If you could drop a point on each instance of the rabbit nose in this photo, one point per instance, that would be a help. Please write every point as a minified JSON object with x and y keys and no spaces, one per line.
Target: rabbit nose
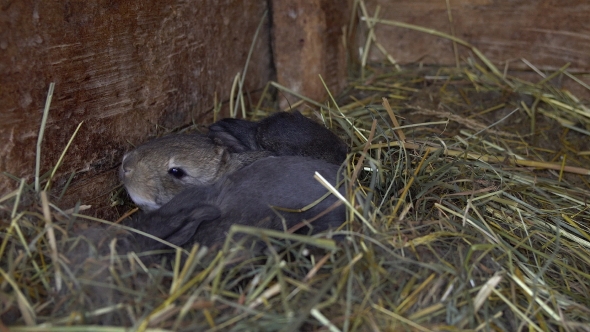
{"x":124,"y":172}
{"x":125,"y":169}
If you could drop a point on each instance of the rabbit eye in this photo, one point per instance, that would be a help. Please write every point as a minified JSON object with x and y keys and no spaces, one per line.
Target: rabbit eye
{"x":176,"y":172}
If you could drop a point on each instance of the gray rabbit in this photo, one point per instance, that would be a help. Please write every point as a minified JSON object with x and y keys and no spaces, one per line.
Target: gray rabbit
{"x":257,"y":195}
{"x":282,"y":134}
{"x":192,"y":188}
{"x":158,"y":170}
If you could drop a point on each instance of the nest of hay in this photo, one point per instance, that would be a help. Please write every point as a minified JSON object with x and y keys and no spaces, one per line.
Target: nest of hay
{"x":475,"y":217}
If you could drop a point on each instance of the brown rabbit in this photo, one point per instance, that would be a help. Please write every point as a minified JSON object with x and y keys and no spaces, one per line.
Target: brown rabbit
{"x":158,"y":170}
{"x":257,"y":195}
{"x":282,"y":134}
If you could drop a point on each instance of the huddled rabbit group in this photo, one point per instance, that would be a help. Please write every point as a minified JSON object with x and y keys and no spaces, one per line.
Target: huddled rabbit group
{"x":192,"y":188}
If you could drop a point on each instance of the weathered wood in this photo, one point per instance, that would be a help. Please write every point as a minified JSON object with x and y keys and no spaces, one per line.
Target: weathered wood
{"x":122,"y":67}
{"x":126,"y":68}
{"x":307,"y":42}
{"x":548,"y":33}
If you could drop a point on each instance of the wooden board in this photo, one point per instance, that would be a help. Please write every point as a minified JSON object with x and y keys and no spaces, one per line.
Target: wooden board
{"x":308,"y":42}
{"x":548,"y":33}
{"x":124,"y":68}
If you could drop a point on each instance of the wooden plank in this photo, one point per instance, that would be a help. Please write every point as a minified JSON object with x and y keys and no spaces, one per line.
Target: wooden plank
{"x":122,"y":67}
{"x":547,"y":33}
{"x":307,"y":42}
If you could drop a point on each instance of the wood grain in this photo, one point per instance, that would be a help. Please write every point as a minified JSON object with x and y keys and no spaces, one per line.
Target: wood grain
{"x":122,"y":67}
{"x":307,"y":42}
{"x":548,"y":33}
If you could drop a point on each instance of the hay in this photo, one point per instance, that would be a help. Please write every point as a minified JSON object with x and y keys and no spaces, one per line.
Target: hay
{"x":474,"y":217}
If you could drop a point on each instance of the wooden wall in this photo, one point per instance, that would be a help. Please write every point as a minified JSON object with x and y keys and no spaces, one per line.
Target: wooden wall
{"x":548,"y":33}
{"x":127,"y":68}
{"x":122,"y":67}
{"x":308,"y":41}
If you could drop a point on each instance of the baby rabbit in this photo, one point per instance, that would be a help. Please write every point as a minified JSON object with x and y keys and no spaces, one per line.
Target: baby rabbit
{"x":283,"y":134}
{"x":252,"y":196}
{"x":158,"y":170}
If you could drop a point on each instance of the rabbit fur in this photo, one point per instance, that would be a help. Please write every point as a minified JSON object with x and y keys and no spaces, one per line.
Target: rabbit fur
{"x":282,"y":134}
{"x":255,"y":196}
{"x":160,"y":169}
{"x":192,"y":188}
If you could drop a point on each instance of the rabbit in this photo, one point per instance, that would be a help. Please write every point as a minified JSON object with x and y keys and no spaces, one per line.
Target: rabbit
{"x":252,"y":196}
{"x":283,"y":134}
{"x":256,"y":195}
{"x":158,"y":170}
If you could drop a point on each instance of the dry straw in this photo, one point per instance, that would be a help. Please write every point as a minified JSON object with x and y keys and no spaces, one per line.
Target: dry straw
{"x":472,"y":216}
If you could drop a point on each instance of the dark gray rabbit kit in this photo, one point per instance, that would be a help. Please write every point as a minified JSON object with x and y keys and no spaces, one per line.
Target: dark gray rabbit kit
{"x":204,"y":214}
{"x":158,"y":170}
{"x":193,"y":190}
{"x":282,"y":134}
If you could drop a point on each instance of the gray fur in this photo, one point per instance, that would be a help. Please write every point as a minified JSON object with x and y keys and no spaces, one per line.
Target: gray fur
{"x":203,"y":214}
{"x":282,"y":134}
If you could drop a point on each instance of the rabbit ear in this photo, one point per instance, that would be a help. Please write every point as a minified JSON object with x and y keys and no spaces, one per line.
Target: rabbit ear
{"x":176,"y":221}
{"x":191,"y":222}
{"x":237,"y":135}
